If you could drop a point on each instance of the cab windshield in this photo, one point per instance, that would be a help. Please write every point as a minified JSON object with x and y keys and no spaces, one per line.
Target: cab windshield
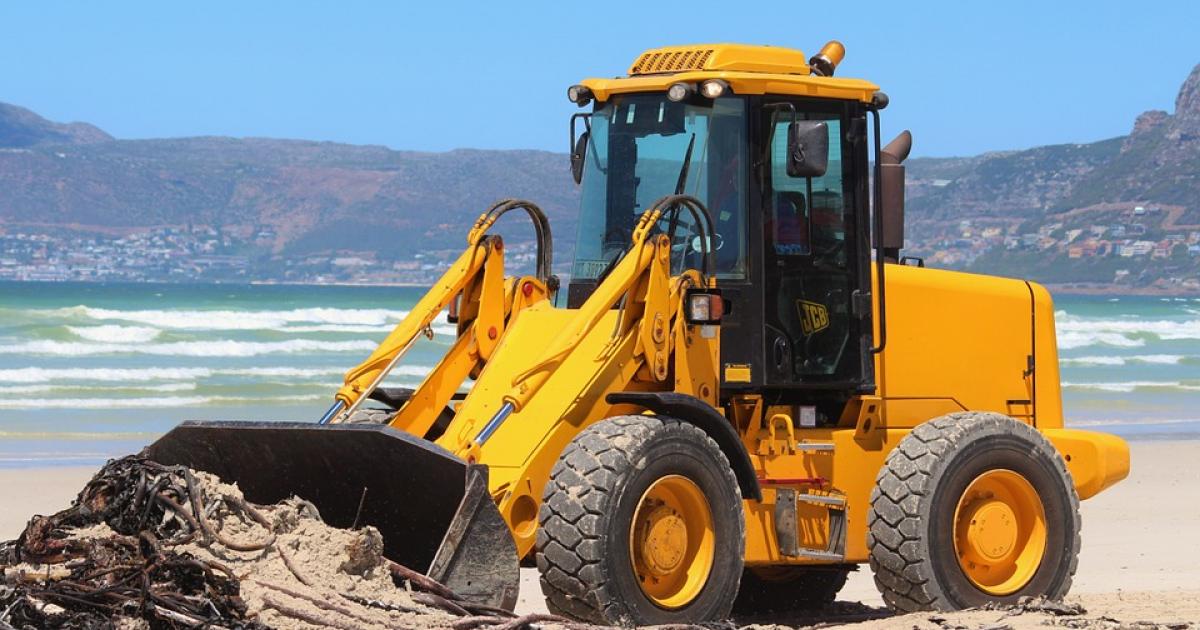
{"x":636,"y":156}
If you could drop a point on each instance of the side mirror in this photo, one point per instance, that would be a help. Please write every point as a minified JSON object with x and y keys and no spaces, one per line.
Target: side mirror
{"x":577,"y":156}
{"x":808,"y":148}
{"x":891,"y":193}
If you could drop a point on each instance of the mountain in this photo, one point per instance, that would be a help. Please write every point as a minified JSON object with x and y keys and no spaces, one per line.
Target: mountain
{"x":1135,"y":201}
{"x":20,"y":127}
{"x":313,"y":196}
{"x":1124,"y":210}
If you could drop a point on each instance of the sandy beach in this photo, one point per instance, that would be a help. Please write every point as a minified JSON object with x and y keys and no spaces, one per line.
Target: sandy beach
{"x":1140,"y":559}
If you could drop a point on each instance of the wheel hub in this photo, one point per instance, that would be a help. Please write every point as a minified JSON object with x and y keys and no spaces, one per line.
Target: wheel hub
{"x":665,"y":542}
{"x":992,"y":532}
{"x":671,"y":542}
{"x":1000,"y":532}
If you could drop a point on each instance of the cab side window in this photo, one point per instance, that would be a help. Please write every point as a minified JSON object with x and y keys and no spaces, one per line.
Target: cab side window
{"x":807,"y":265}
{"x":806,"y":215}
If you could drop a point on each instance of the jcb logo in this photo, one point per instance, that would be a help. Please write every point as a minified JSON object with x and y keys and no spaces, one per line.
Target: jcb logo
{"x":813,"y":317}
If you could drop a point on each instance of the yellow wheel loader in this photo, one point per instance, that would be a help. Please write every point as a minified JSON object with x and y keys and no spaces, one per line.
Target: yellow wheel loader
{"x":743,"y":392}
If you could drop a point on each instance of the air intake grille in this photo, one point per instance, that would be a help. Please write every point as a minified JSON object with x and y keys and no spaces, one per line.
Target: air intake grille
{"x":671,"y":61}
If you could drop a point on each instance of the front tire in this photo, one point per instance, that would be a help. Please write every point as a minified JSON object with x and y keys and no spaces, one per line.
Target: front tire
{"x":641,"y":523}
{"x":972,"y":508}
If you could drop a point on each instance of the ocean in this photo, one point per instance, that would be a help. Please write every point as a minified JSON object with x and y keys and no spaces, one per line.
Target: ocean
{"x":93,"y":371}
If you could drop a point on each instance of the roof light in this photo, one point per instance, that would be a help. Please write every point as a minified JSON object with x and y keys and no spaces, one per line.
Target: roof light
{"x":827,"y":59}
{"x":579,"y":94}
{"x":714,"y":88}
{"x":680,"y":91}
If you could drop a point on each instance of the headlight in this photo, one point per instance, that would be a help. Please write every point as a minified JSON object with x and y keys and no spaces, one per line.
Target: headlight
{"x":704,"y":307}
{"x":579,"y":94}
{"x":680,"y":91}
{"x":714,"y":88}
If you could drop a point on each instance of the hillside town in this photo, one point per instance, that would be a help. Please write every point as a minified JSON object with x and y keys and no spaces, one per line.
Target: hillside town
{"x":1125,"y":246}
{"x":207,"y":254}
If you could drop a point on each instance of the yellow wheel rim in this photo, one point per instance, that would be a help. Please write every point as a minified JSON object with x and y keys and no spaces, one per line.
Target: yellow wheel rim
{"x":1000,"y":532}
{"x":671,"y":541}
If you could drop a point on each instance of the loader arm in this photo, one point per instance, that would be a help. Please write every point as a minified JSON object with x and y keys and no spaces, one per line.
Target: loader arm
{"x":485,"y":303}
{"x":525,"y":407}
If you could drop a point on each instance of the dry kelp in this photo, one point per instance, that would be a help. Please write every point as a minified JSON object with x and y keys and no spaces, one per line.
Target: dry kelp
{"x":152,"y":546}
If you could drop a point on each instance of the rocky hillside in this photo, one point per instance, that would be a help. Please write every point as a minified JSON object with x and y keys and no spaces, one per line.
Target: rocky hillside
{"x":1158,"y":162}
{"x":312,"y":196}
{"x":20,"y":127}
{"x":1124,"y":210}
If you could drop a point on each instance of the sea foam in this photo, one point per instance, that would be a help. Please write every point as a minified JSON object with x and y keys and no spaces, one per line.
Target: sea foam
{"x":1125,"y":387}
{"x":217,"y":348}
{"x":1153,"y":359}
{"x":144,"y":403}
{"x":234,"y":319}
{"x":110,"y":333}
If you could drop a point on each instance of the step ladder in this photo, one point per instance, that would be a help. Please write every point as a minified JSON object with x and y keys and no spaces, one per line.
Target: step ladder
{"x":787,"y":532}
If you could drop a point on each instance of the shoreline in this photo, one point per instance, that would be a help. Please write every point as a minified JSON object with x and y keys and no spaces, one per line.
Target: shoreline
{"x":93,"y":460}
{"x":1081,"y":289}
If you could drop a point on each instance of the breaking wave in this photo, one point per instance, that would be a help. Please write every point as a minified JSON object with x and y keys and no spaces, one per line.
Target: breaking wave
{"x":41,"y":389}
{"x":143,"y":403}
{"x":1075,"y":332}
{"x":220,"y":348}
{"x":1125,"y":387}
{"x":1071,"y":340}
{"x":115,"y":334}
{"x":1153,"y":359}
{"x":153,"y":374}
{"x":234,"y":319}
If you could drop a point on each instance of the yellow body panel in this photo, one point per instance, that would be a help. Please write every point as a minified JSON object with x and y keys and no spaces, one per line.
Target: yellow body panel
{"x":721,"y":57}
{"x":1096,"y":460}
{"x":742,"y":83}
{"x":747,"y":70}
{"x":959,"y":342}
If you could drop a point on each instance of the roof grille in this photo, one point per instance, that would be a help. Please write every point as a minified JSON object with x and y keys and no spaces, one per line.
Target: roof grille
{"x":671,"y":61}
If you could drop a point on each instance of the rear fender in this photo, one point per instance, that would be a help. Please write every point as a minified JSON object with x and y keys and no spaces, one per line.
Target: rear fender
{"x":708,"y":419}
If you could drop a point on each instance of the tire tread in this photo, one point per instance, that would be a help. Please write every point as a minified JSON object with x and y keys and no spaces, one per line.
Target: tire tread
{"x":577,"y":502}
{"x":898,"y":557}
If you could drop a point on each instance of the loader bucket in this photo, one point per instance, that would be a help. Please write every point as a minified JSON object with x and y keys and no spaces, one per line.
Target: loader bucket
{"x":432,"y":508}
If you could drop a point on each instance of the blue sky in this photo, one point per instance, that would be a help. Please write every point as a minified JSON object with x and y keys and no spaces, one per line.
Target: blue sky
{"x":965,"y":76}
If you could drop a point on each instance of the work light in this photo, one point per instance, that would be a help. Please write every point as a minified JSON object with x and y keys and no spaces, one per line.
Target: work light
{"x":680,"y":91}
{"x":714,"y":88}
{"x":705,"y":307}
{"x":579,"y":94}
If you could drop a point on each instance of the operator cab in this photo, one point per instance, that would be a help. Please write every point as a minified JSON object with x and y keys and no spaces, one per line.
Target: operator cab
{"x":791,"y":247}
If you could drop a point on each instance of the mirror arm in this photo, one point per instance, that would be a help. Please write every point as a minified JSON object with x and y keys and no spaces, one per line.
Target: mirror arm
{"x":587,"y":124}
{"x":775,"y":107}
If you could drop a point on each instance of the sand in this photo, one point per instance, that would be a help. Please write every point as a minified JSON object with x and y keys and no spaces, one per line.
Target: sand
{"x":1140,"y":559}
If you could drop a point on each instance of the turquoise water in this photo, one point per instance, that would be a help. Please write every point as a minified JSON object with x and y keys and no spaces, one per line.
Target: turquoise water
{"x":90,"y":371}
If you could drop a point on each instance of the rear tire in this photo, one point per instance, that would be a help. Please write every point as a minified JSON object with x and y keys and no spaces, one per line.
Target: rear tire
{"x":784,"y":589}
{"x":928,"y":551}
{"x":601,"y":514}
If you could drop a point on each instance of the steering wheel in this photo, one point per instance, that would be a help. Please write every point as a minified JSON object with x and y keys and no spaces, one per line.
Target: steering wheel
{"x":823,"y":254}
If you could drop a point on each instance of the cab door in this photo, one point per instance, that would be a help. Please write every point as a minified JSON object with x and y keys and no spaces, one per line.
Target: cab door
{"x":811,"y":257}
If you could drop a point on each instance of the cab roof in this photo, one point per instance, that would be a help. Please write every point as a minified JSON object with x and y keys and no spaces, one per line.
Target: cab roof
{"x":748,"y":70}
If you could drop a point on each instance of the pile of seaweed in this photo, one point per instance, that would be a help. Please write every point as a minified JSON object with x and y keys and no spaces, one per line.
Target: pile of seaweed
{"x":155,"y":547}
